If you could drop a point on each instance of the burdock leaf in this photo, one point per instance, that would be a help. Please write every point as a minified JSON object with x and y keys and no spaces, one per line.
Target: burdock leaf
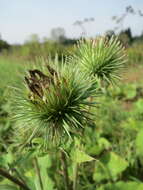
{"x":79,"y":156}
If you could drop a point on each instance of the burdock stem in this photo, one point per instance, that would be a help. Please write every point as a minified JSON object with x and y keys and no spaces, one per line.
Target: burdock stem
{"x":38,"y":172}
{"x":65,"y":170}
{"x":75,"y":176}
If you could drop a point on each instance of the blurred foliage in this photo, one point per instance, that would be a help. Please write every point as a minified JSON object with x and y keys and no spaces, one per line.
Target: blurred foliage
{"x":4,"y":45}
{"x":135,"y":54}
{"x":61,"y":45}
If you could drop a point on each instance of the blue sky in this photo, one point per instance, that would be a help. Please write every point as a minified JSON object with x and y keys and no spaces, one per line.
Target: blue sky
{"x":20,"y":18}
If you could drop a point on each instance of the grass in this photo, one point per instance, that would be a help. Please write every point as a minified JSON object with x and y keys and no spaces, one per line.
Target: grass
{"x":135,"y":54}
{"x":9,"y":72}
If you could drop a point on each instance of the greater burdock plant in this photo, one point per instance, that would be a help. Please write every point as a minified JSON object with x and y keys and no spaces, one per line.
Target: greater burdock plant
{"x":54,"y":100}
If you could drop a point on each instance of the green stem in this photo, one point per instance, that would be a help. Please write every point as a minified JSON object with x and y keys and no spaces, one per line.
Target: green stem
{"x":5,"y":174}
{"x":65,"y":170}
{"x":75,"y":174}
{"x":38,"y":173}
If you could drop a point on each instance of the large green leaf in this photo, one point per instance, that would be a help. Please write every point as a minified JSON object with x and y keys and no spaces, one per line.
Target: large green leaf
{"x":79,"y":156}
{"x":6,"y":159}
{"x":44,"y":163}
{"x":139,"y":142}
{"x":122,"y":186}
{"x":130,"y":91}
{"x":109,"y":166}
{"x":8,"y":187}
{"x":30,"y":176}
{"x":139,"y":105}
{"x":101,"y":145}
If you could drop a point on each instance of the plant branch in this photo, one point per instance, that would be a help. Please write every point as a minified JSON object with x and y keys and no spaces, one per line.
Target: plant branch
{"x":13,"y":179}
{"x":65,"y":170}
{"x":19,"y":175}
{"x":38,"y":172}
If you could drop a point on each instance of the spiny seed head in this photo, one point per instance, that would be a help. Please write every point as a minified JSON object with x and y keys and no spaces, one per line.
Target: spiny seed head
{"x":101,"y":58}
{"x":55,"y":103}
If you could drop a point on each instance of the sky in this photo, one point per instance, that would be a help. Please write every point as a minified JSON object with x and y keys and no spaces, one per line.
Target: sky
{"x":21,"y":18}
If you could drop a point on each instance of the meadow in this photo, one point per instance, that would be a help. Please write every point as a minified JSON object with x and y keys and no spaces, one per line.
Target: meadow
{"x":109,"y":156}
